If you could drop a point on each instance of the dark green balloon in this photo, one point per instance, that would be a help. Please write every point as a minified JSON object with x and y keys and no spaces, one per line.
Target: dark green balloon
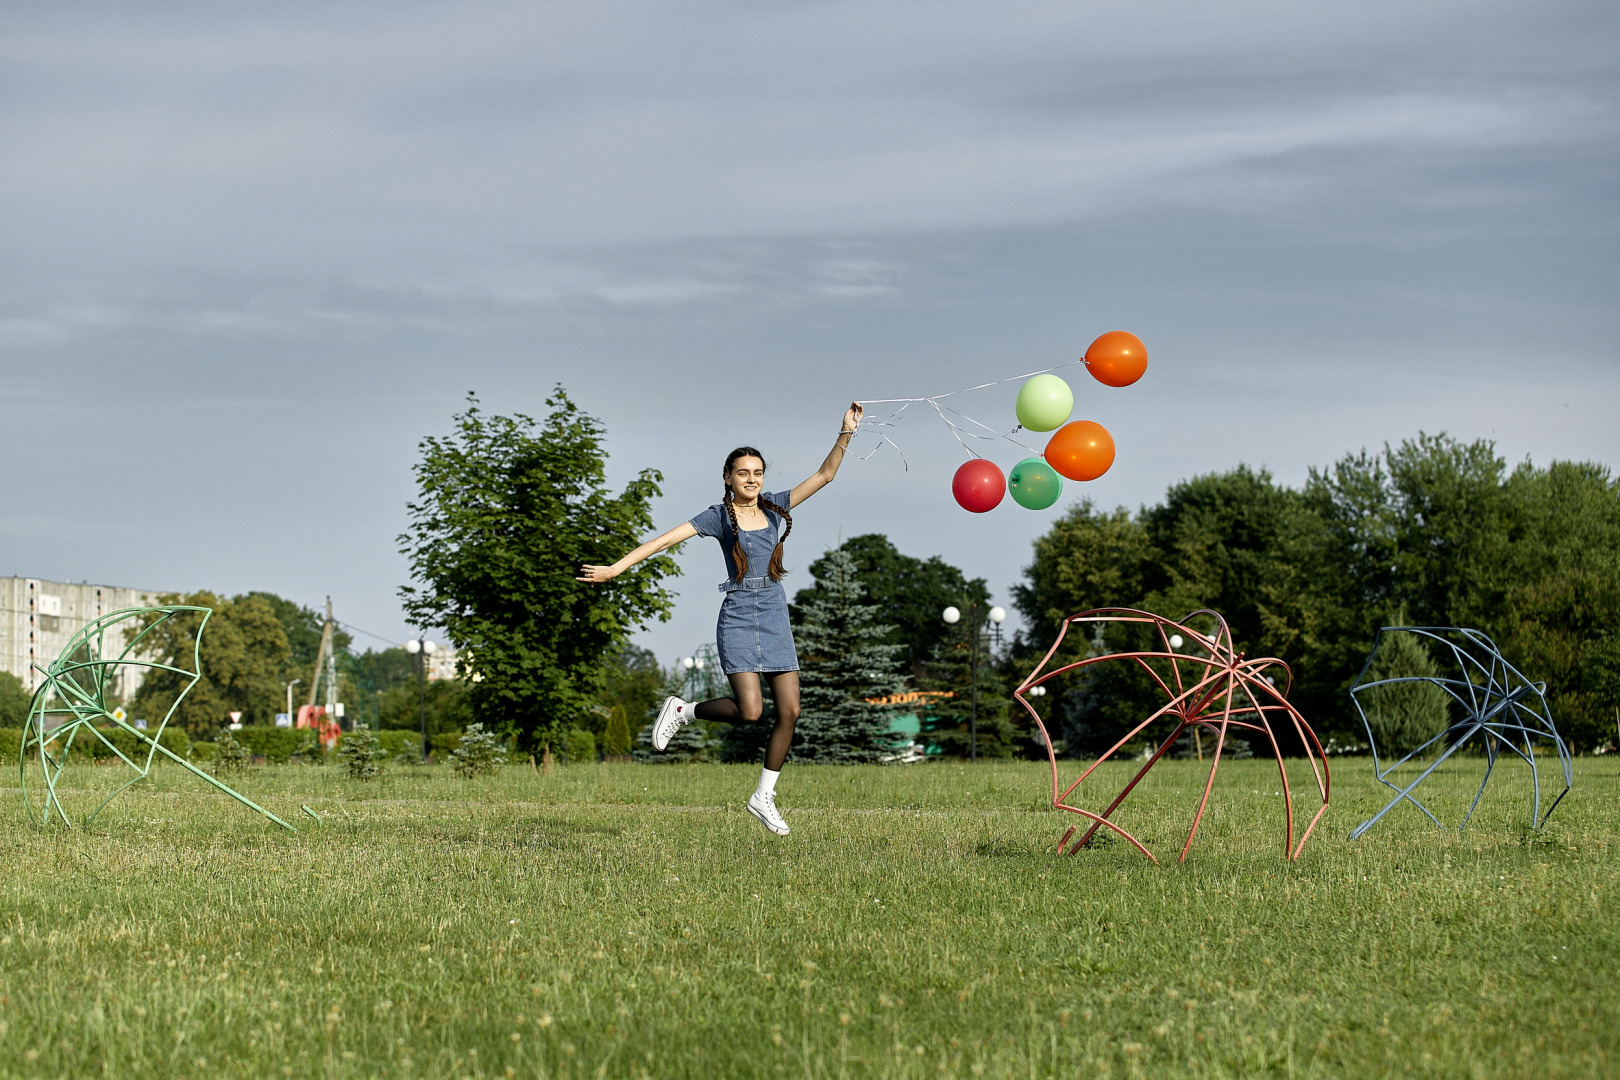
{"x":1034,"y":484}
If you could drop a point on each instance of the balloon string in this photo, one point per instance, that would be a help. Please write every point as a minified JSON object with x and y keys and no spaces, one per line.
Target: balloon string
{"x":957,"y":431}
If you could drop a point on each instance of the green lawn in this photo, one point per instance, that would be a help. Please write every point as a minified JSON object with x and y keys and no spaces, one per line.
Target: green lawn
{"x":623,"y":920}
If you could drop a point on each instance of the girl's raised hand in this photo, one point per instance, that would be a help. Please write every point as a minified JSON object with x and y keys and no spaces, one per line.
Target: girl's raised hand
{"x":852,"y":416}
{"x":595,"y":575}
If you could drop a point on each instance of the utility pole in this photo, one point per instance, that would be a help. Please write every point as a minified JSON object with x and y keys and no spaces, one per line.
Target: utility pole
{"x":321,"y":654}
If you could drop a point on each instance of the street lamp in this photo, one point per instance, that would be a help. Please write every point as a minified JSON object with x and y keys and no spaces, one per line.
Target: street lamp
{"x":694,"y":672}
{"x":421,"y":648}
{"x":952,"y":615}
{"x":290,"y":718}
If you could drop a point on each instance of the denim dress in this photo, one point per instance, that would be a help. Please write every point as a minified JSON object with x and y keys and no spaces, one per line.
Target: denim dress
{"x":753,"y":634}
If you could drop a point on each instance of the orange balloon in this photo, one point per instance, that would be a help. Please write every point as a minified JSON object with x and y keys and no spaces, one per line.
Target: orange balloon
{"x":1117,"y":358}
{"x":1082,"y":450}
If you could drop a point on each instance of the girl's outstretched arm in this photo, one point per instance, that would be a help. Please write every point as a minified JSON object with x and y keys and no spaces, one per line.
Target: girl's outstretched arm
{"x":598,"y":574}
{"x":829,"y":468}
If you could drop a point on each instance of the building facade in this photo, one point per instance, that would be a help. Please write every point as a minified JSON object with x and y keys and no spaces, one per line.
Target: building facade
{"x":441,"y":663}
{"x":38,"y":618}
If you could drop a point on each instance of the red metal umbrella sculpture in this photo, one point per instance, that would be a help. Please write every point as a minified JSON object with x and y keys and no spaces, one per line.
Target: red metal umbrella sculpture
{"x":1208,"y":687}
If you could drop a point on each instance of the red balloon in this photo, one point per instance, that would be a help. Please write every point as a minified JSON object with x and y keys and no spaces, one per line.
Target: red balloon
{"x":978,"y":486}
{"x":1082,"y":450}
{"x":1116,"y":359}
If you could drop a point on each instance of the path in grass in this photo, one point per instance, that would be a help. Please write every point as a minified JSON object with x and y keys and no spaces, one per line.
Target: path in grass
{"x":632,"y":920}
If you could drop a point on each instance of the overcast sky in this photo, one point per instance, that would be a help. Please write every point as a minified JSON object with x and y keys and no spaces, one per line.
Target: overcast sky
{"x":254,"y":252}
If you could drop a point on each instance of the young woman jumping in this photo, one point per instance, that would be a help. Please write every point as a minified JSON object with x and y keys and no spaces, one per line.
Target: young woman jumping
{"x":754,"y":638}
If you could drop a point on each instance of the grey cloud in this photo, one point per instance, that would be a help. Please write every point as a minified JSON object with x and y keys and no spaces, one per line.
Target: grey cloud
{"x":263,"y":249}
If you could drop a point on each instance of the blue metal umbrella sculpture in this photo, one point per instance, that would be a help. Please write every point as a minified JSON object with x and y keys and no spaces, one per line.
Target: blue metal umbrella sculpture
{"x":1505,"y":710}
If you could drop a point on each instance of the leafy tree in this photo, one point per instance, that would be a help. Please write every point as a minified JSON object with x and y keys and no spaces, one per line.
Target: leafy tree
{"x":244,"y":651}
{"x":1087,"y":559}
{"x":1561,"y":621}
{"x":374,"y":673}
{"x":1434,"y":526}
{"x":14,"y":701}
{"x":909,"y":592}
{"x":616,"y":740}
{"x":845,"y":662}
{"x":507,"y":512}
{"x":303,"y":626}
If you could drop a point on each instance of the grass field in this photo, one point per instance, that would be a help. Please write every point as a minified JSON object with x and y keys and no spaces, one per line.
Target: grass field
{"x":624,"y":920}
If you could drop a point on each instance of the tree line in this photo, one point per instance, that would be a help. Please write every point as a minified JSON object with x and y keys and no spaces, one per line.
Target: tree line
{"x":256,"y":644}
{"x":1433,"y":532}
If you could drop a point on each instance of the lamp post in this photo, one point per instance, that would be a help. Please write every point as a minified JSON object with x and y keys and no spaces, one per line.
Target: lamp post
{"x":694,"y":671}
{"x":421,"y":648}
{"x":295,"y":682}
{"x":952,"y":615}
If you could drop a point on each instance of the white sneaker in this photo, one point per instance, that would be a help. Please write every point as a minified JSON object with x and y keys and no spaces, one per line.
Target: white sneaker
{"x":675,"y":715}
{"x":762,"y":804}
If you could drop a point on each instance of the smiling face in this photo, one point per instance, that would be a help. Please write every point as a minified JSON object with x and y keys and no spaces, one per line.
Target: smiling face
{"x":746,"y":478}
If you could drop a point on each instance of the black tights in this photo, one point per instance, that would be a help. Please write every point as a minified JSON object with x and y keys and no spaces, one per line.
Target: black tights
{"x":749,"y":707}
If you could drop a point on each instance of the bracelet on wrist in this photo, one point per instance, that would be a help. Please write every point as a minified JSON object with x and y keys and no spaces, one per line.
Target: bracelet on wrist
{"x":850,"y":431}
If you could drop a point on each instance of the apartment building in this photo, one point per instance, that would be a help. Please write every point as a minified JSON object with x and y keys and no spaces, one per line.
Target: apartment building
{"x":38,"y":618}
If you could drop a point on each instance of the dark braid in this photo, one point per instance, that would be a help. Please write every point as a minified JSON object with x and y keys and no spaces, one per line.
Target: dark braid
{"x":776,"y":570}
{"x":738,"y":555}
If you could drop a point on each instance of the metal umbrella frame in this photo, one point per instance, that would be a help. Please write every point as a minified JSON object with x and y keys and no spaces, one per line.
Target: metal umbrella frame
{"x":72,"y":702}
{"x":1211,"y":687}
{"x":1500,"y":705}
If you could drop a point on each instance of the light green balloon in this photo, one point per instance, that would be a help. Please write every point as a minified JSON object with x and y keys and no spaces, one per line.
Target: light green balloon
{"x":1034,"y":484}
{"x":1044,"y":403}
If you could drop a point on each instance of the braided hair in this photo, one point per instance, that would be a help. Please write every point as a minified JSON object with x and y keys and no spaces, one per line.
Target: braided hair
{"x":738,"y":556}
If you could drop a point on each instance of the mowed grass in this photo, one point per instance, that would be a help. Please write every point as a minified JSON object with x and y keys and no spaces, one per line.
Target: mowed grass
{"x":624,"y":920}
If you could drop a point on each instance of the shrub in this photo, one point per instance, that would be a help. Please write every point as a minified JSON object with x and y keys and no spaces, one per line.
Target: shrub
{"x":580,"y":746}
{"x":307,"y":752}
{"x":402,"y":746}
{"x":10,"y":744}
{"x":277,"y":744}
{"x":230,"y":756}
{"x":361,"y":754}
{"x":204,"y":751}
{"x":87,"y":746}
{"x":14,"y":702}
{"x":478,"y":752}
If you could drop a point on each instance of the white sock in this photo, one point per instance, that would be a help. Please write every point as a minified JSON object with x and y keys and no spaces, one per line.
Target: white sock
{"x":767,"y":782}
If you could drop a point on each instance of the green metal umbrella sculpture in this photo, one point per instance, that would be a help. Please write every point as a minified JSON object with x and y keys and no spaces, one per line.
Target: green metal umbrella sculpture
{"x":72,"y":704}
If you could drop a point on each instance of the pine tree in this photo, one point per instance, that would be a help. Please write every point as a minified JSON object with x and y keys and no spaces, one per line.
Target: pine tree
{"x":844,"y":663}
{"x":478,"y":752}
{"x":361,"y":754}
{"x":1404,"y":715}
